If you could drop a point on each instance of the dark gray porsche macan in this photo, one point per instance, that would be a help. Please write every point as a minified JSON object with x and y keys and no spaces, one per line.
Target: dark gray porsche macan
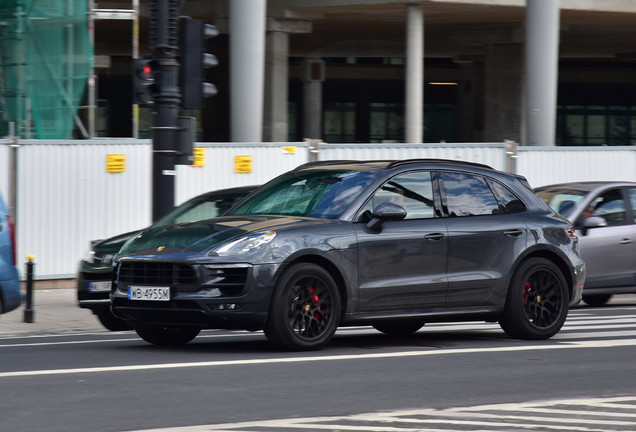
{"x":392,"y":244}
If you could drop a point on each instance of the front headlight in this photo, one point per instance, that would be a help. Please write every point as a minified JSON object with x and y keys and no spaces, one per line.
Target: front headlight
{"x":246,"y":244}
{"x":98,"y":258}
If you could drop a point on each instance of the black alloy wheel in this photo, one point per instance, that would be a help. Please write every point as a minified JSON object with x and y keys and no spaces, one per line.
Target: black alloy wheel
{"x":305,"y":308}
{"x":164,"y":335}
{"x":537,"y":301}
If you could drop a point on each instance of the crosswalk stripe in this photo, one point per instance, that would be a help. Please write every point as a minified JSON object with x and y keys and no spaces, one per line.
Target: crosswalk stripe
{"x":495,"y":417}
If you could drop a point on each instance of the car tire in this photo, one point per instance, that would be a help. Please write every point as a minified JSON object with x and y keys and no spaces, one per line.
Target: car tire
{"x":165,"y":335}
{"x":597,"y":300}
{"x":112,"y":323}
{"x":305,"y":309}
{"x":537,"y":302}
{"x":399,"y":327}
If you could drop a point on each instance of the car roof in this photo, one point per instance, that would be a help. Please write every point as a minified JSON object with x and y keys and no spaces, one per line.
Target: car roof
{"x":586,"y":185}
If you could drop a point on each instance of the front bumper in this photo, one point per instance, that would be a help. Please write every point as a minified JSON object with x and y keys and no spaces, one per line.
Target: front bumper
{"x":93,"y":287}
{"x":204,"y":305}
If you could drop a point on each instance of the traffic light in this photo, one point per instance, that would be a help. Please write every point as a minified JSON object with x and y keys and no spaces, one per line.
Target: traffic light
{"x":144,"y":76}
{"x":194,"y":62}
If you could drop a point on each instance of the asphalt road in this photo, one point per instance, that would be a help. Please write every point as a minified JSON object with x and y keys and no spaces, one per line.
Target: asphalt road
{"x":446,"y":377}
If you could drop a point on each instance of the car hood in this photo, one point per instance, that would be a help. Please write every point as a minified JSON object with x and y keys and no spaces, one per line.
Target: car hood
{"x":113,"y":244}
{"x":201,"y":236}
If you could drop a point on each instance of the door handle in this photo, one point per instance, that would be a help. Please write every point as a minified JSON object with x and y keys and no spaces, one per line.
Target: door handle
{"x":626,"y":241}
{"x":513,"y":233}
{"x":434,"y":236}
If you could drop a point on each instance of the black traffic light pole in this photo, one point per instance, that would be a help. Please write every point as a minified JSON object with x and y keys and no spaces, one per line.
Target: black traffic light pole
{"x":164,"y":16}
{"x":159,"y":82}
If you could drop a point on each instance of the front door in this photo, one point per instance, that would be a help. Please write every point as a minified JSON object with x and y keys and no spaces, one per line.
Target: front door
{"x":402,"y":265}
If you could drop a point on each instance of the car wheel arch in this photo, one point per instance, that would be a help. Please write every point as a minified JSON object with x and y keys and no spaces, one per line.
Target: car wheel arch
{"x":552,"y":256}
{"x":328,"y":265}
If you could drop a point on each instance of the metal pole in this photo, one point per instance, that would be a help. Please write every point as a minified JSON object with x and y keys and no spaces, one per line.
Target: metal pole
{"x":92,"y":76}
{"x":29,"y":313}
{"x":135,"y":55}
{"x":13,"y":176}
{"x":163,"y":41}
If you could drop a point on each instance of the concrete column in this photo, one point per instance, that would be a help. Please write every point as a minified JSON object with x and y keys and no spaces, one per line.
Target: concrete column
{"x":313,"y":77}
{"x":503,"y":92}
{"x":542,"y":57}
{"x":275,"y":122}
{"x":414,"y":107}
{"x":247,"y":69}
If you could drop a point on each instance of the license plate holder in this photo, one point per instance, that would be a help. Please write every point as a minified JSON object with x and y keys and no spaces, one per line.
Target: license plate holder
{"x":148,"y":293}
{"x":99,"y":286}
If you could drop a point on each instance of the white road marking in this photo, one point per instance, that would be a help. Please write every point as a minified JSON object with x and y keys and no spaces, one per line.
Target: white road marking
{"x":280,"y":360}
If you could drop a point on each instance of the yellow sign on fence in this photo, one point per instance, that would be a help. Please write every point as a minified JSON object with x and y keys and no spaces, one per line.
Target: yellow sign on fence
{"x":243,"y":164}
{"x":115,"y":163}
{"x":198,"y":157}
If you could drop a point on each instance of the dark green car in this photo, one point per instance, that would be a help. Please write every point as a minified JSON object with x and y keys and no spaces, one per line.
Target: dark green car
{"x":95,"y":274}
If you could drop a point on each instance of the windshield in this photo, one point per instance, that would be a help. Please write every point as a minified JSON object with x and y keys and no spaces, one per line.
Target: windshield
{"x":202,"y":207}
{"x":311,"y":193}
{"x":562,"y":201}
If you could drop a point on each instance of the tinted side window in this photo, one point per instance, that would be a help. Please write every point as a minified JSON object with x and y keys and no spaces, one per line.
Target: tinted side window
{"x":468,"y":195}
{"x":508,"y":201}
{"x":413,"y":191}
{"x":610,"y":206}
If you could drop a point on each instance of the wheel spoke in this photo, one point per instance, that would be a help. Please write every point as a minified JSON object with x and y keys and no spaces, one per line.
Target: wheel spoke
{"x":542,"y":298}
{"x":309,"y":307}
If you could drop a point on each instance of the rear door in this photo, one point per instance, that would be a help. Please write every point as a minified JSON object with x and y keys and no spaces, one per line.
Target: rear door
{"x":486,"y":232}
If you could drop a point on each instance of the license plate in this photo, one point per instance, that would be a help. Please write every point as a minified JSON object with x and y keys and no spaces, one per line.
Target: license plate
{"x":148,"y":293}
{"x":99,"y":286}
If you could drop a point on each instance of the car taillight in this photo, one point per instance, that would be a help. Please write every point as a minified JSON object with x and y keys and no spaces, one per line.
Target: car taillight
{"x":570,"y":232}
{"x":12,"y":235}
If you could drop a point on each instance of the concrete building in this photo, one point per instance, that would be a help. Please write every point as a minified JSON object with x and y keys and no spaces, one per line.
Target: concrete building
{"x":534,"y":71}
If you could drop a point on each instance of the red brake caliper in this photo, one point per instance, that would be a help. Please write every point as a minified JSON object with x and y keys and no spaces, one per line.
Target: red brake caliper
{"x":315,"y":299}
{"x":526,"y":287}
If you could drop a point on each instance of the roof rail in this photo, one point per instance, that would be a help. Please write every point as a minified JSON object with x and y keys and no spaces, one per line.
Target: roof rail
{"x":391,"y":163}
{"x":323,"y":163}
{"x":449,"y":161}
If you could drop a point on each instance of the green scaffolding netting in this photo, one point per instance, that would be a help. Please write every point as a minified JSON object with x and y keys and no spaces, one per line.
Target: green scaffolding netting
{"x":45,"y":59}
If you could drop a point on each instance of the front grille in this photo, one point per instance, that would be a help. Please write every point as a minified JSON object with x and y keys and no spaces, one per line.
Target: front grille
{"x":156,"y":274}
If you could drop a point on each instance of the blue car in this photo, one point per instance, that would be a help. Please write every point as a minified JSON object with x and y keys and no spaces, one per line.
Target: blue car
{"x":10,"y":295}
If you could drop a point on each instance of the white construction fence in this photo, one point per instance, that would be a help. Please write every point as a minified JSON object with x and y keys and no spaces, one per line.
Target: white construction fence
{"x":63,"y":194}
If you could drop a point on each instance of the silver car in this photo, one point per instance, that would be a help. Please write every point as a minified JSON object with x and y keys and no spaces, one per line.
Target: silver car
{"x":604,"y":216}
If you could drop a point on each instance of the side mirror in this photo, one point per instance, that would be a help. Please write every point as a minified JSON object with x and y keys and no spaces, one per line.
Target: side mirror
{"x":592,"y":222}
{"x":386,"y":212}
